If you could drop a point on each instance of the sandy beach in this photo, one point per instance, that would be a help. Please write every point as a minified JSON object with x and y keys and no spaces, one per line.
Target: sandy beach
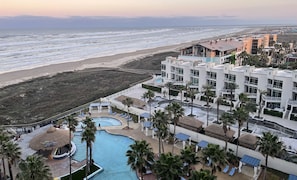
{"x":113,"y":61}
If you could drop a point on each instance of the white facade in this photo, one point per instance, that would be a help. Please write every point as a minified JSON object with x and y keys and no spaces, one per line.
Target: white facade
{"x":280,"y":85}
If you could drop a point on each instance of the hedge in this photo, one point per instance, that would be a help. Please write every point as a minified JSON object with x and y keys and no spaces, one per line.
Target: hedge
{"x":153,"y":88}
{"x":203,"y":98}
{"x":273,"y":113}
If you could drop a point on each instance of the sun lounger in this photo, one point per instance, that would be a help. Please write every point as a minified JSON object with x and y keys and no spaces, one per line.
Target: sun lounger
{"x":226,"y":169}
{"x":232,"y":171}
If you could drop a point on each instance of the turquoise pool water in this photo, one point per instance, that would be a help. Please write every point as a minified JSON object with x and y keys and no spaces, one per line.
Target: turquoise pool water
{"x":109,"y":151}
{"x":104,"y":121}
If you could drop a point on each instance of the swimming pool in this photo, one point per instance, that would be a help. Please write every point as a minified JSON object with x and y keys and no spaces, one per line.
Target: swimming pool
{"x":109,"y":151}
{"x":104,"y":121}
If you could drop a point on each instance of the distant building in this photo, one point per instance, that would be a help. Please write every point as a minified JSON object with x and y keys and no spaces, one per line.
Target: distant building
{"x":217,"y":51}
{"x":280,"y":85}
{"x":253,"y":43}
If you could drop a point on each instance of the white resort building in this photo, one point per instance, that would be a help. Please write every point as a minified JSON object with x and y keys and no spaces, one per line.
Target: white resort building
{"x":280,"y":86}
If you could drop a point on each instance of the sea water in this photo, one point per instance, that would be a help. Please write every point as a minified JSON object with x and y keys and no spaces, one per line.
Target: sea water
{"x":26,"y":49}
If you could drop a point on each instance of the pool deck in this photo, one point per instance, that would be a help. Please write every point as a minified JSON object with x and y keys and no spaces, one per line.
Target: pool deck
{"x":61,"y":167}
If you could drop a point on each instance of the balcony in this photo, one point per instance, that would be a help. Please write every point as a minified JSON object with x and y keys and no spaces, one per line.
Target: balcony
{"x":292,"y":102}
{"x":272,"y":99}
{"x":251,"y":95}
{"x":295,"y":89}
{"x":269,"y":86}
{"x":211,"y":77}
{"x":229,"y":80}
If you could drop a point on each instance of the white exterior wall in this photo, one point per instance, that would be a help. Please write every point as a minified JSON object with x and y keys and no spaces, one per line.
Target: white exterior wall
{"x":274,"y":163}
{"x":263,"y":74}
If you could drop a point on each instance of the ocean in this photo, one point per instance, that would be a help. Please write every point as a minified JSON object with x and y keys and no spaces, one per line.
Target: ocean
{"x":26,"y":49}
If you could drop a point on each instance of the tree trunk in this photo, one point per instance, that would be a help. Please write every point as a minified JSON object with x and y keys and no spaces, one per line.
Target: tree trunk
{"x":247,"y":125}
{"x":128,"y":119}
{"x":10,"y":172}
{"x":231,"y":100}
{"x":218,"y":112}
{"x":239,"y":126}
{"x":159,"y":145}
{"x":91,"y":157}
{"x":87,"y":162}
{"x":191,"y":106}
{"x":266,"y":163}
{"x":69,"y":153}
{"x":4,"y":170}
{"x":207,"y":111}
{"x":260,"y":106}
{"x":173,"y":137}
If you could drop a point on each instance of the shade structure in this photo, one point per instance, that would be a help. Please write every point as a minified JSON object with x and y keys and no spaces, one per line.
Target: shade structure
{"x":182,"y":137}
{"x":51,"y":139}
{"x":145,"y":115}
{"x":202,"y":144}
{"x":250,"y":160}
{"x":292,"y":177}
{"x":147,"y":124}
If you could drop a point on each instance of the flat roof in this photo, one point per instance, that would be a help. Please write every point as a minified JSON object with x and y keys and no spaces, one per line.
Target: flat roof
{"x":222,"y":45}
{"x":252,"y":161}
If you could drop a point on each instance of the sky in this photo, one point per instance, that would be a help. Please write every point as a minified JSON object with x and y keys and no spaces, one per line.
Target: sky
{"x":152,"y":8}
{"x":233,"y":11}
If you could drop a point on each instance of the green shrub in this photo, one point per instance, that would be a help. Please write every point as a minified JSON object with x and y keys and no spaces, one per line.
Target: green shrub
{"x":293,"y":117}
{"x":273,"y":113}
{"x":153,"y":88}
{"x":203,"y":98}
{"x":173,"y":92}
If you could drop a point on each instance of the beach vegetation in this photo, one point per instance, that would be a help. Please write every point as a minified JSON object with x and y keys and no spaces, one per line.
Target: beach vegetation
{"x":140,"y":157}
{"x":215,"y":157}
{"x":269,"y":145}
{"x":88,"y":135}
{"x":175,"y":112}
{"x":160,"y":122}
{"x":208,"y":93}
{"x":34,"y":168}
{"x":72,"y":123}
{"x":202,"y":175}
{"x":169,"y":166}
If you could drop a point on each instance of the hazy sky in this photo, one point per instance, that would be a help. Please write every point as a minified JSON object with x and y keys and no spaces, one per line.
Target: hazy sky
{"x":251,"y":9}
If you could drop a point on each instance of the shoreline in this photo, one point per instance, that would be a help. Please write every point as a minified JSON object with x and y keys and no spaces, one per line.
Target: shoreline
{"x":112,"y":61}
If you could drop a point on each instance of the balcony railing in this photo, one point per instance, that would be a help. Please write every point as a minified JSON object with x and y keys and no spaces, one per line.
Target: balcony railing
{"x":292,"y":102}
{"x":253,"y":95}
{"x":271,"y":98}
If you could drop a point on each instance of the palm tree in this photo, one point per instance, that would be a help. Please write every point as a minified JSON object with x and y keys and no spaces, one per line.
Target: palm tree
{"x":149,"y":95}
{"x":247,"y":105}
{"x":139,"y":156}
{"x":169,"y":166}
{"x":4,"y":138}
{"x":269,"y":145}
{"x":72,"y":123}
{"x":189,"y":158}
{"x":241,"y":115}
{"x":128,"y":102}
{"x":181,"y":88}
{"x":33,"y":168}
{"x":208,"y":93}
{"x":219,"y":102}
{"x":88,"y":135}
{"x":260,"y":105}
{"x":202,"y":175}
{"x":160,"y":122}
{"x":216,"y":155}
{"x":12,"y":153}
{"x":231,"y":87}
{"x":227,"y":119}
{"x":169,"y":86}
{"x":191,"y":94}
{"x":177,"y":111}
